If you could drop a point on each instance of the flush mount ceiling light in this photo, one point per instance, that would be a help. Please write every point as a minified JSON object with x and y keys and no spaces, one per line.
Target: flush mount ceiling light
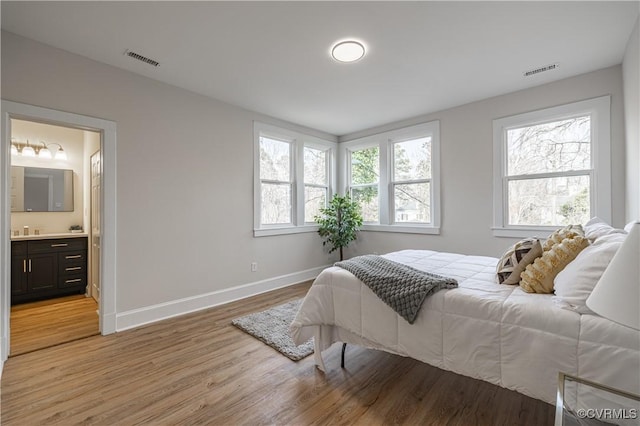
{"x":348,"y":51}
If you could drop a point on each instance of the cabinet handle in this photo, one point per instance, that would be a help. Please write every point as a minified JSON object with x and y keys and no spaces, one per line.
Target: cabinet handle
{"x":24,"y":265}
{"x":75,"y":268}
{"x":75,"y":256}
{"x":73,"y":281}
{"x":59,"y":245}
{"x":29,"y":265}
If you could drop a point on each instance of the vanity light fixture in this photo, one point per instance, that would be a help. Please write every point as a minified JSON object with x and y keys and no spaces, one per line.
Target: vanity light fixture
{"x":44,"y":152}
{"x":28,"y":150}
{"x":60,"y":153}
{"x":348,"y":51}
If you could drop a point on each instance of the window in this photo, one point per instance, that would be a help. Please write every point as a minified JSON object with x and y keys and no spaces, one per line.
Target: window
{"x":394,"y":178}
{"x":411,"y":180}
{"x":553,"y":168}
{"x":292,"y":180}
{"x":275,"y":181}
{"x":365,"y":175}
{"x":316,"y":181}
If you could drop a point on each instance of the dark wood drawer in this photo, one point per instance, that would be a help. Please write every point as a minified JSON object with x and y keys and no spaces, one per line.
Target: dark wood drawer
{"x":72,"y":268}
{"x":72,"y":258}
{"x":73,"y":280}
{"x":63,"y":244}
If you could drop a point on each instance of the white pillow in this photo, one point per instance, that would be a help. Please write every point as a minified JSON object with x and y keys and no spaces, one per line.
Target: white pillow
{"x":629,"y":225}
{"x":597,"y":228}
{"x":576,"y":281}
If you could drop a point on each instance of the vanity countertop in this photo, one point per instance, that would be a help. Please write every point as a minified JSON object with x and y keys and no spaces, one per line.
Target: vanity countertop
{"x":48,"y":236}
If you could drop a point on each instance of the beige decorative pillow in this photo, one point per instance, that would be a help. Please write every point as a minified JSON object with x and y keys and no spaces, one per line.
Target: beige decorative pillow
{"x":557,"y":236}
{"x":513,"y":262}
{"x":538,"y":277}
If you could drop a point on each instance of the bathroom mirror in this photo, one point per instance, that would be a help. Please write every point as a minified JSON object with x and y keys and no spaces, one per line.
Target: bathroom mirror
{"x":37,"y":189}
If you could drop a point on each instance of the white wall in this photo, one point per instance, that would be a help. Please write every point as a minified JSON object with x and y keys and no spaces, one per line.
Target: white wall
{"x":73,"y":142}
{"x":466,"y":146}
{"x":631,"y":77}
{"x":184,"y":176}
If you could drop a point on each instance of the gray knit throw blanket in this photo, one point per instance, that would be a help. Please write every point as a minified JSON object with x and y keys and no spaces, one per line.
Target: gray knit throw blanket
{"x":401,"y":287}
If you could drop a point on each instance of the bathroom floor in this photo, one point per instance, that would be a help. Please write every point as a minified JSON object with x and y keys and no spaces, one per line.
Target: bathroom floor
{"x":48,"y":323}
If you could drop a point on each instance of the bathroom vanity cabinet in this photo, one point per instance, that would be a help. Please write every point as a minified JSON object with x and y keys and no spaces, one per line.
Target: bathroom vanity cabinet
{"x":48,"y":268}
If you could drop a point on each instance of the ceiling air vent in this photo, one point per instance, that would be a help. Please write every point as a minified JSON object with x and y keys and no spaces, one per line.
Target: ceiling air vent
{"x":541,"y":69}
{"x":139,"y":57}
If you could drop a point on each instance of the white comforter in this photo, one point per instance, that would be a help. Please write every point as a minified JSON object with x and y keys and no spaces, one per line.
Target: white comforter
{"x":497,"y":333}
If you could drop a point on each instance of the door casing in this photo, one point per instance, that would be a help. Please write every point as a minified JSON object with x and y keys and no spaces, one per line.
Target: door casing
{"x":107,"y":130}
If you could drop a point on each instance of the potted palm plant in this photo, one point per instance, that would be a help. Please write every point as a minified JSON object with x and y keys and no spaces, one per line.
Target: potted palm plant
{"x":339,"y":223}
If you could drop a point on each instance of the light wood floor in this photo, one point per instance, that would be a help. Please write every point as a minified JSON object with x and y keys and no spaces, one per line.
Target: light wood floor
{"x":48,"y":323}
{"x":199,"y":369}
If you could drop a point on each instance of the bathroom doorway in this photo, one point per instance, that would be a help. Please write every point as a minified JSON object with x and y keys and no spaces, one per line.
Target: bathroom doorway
{"x":55,"y":192}
{"x":64,"y":253}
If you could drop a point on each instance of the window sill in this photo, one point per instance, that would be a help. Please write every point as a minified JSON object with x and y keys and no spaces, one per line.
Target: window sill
{"x":403,"y":229}
{"x":524,"y":232}
{"x":285,"y":230}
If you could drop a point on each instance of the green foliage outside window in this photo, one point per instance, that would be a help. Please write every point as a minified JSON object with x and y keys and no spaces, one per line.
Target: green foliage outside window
{"x":364,"y":170}
{"x":576,"y":210}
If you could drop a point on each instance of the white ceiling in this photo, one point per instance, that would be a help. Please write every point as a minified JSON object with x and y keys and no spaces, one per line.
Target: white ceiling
{"x":273,"y":57}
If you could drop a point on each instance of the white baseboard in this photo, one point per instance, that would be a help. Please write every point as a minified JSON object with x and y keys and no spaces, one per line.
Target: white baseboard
{"x":109,"y":324}
{"x":4,"y":352}
{"x":137,"y":317}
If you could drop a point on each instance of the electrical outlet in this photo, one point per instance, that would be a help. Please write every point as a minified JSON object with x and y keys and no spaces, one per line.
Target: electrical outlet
{"x":254,"y":266}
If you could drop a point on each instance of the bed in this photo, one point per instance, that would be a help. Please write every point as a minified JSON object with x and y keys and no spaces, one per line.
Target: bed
{"x":496,"y":333}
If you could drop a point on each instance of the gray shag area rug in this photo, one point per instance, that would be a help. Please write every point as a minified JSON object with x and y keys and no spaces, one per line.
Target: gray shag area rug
{"x":272,"y":327}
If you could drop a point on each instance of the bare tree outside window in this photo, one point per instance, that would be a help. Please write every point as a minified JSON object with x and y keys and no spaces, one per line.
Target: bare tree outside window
{"x":275,"y":179}
{"x":293,"y":178}
{"x":316,"y":182}
{"x":549,"y":168}
{"x":412,"y":180}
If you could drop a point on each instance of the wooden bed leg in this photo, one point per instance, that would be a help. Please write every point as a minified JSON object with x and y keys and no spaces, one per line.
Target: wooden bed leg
{"x":344,"y":348}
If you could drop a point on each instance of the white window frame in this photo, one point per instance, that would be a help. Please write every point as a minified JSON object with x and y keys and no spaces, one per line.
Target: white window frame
{"x":384,"y":141}
{"x":291,"y":142}
{"x":393,"y":183}
{"x":298,"y":141}
{"x":328,"y":173}
{"x":600,"y":174}
{"x":349,"y":186}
